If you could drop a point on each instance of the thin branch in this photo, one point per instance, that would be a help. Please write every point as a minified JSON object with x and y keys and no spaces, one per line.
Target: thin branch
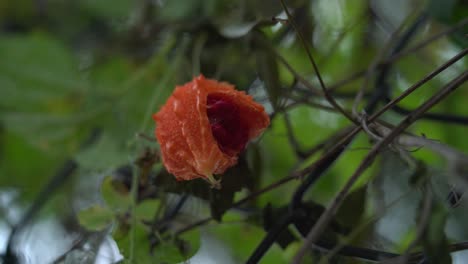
{"x":389,"y":105}
{"x":75,"y":245}
{"x":325,"y":218}
{"x":377,"y":255}
{"x":296,"y":75}
{"x":160,"y":225}
{"x":340,"y":144}
{"x":291,"y":137}
{"x":439,"y":117}
{"x":373,"y":67}
{"x":193,"y":225}
{"x":295,"y":208}
{"x":270,"y":238}
{"x":341,"y":36}
{"x":268,"y":188}
{"x":401,"y":54}
{"x":449,"y":153}
{"x":240,"y":202}
{"x":382,"y":88}
{"x":327,"y":95}
{"x":419,"y":83}
{"x":329,"y":141}
{"x":316,"y":170}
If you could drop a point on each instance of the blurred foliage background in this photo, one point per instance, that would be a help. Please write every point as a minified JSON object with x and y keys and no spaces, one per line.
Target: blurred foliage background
{"x":80,"y":80}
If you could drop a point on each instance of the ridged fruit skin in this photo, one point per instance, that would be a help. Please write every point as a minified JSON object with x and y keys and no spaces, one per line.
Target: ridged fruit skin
{"x":189,"y":149}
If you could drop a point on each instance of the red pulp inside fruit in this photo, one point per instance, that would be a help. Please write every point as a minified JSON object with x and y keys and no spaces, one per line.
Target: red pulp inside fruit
{"x":226,"y":124}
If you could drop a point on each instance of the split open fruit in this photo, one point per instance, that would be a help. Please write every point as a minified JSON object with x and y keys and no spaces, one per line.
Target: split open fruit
{"x":204,"y":126}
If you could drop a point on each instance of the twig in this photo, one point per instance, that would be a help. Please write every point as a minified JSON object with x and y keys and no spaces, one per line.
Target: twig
{"x":314,"y":168}
{"x":377,"y":256}
{"x":401,"y":54}
{"x":75,"y":245}
{"x":327,"y":95}
{"x":296,"y":75}
{"x":408,"y":141}
{"x":160,"y":225}
{"x":382,"y":88}
{"x":439,"y":117}
{"x":193,"y":225}
{"x":270,"y":238}
{"x":341,"y":35}
{"x":318,"y":228}
{"x":329,"y":141}
{"x":389,"y":105}
{"x":238,"y":203}
{"x":291,"y":137}
{"x":419,"y":83}
{"x":373,"y":67}
{"x":295,"y":207}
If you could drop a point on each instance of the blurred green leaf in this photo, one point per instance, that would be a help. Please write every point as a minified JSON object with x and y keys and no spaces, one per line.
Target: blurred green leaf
{"x":442,"y":9}
{"x":353,"y":207}
{"x":41,"y":89}
{"x":173,"y":251}
{"x":177,"y":10}
{"x":117,"y":199}
{"x":37,"y":67}
{"x":233,"y":181}
{"x":255,"y":162}
{"x":103,"y":155}
{"x":116,"y":9}
{"x":278,"y":159}
{"x":23,"y":165}
{"x":95,"y":217}
{"x":268,"y":72}
{"x":436,"y":245}
{"x":146,"y":209}
{"x":16,"y":10}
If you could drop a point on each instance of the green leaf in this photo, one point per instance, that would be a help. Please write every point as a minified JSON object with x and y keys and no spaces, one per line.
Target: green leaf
{"x":353,"y":207}
{"x":180,"y":10}
{"x":23,"y":165}
{"x":278,"y":159}
{"x":95,"y":217}
{"x":146,"y":209}
{"x":436,"y":245}
{"x":41,"y":89}
{"x":442,"y":9}
{"x":27,"y":59}
{"x":116,"y":9}
{"x":450,"y":12}
{"x":233,"y":181}
{"x":268,"y":72}
{"x":106,"y":154}
{"x":116,"y":198}
{"x":172,"y":251}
